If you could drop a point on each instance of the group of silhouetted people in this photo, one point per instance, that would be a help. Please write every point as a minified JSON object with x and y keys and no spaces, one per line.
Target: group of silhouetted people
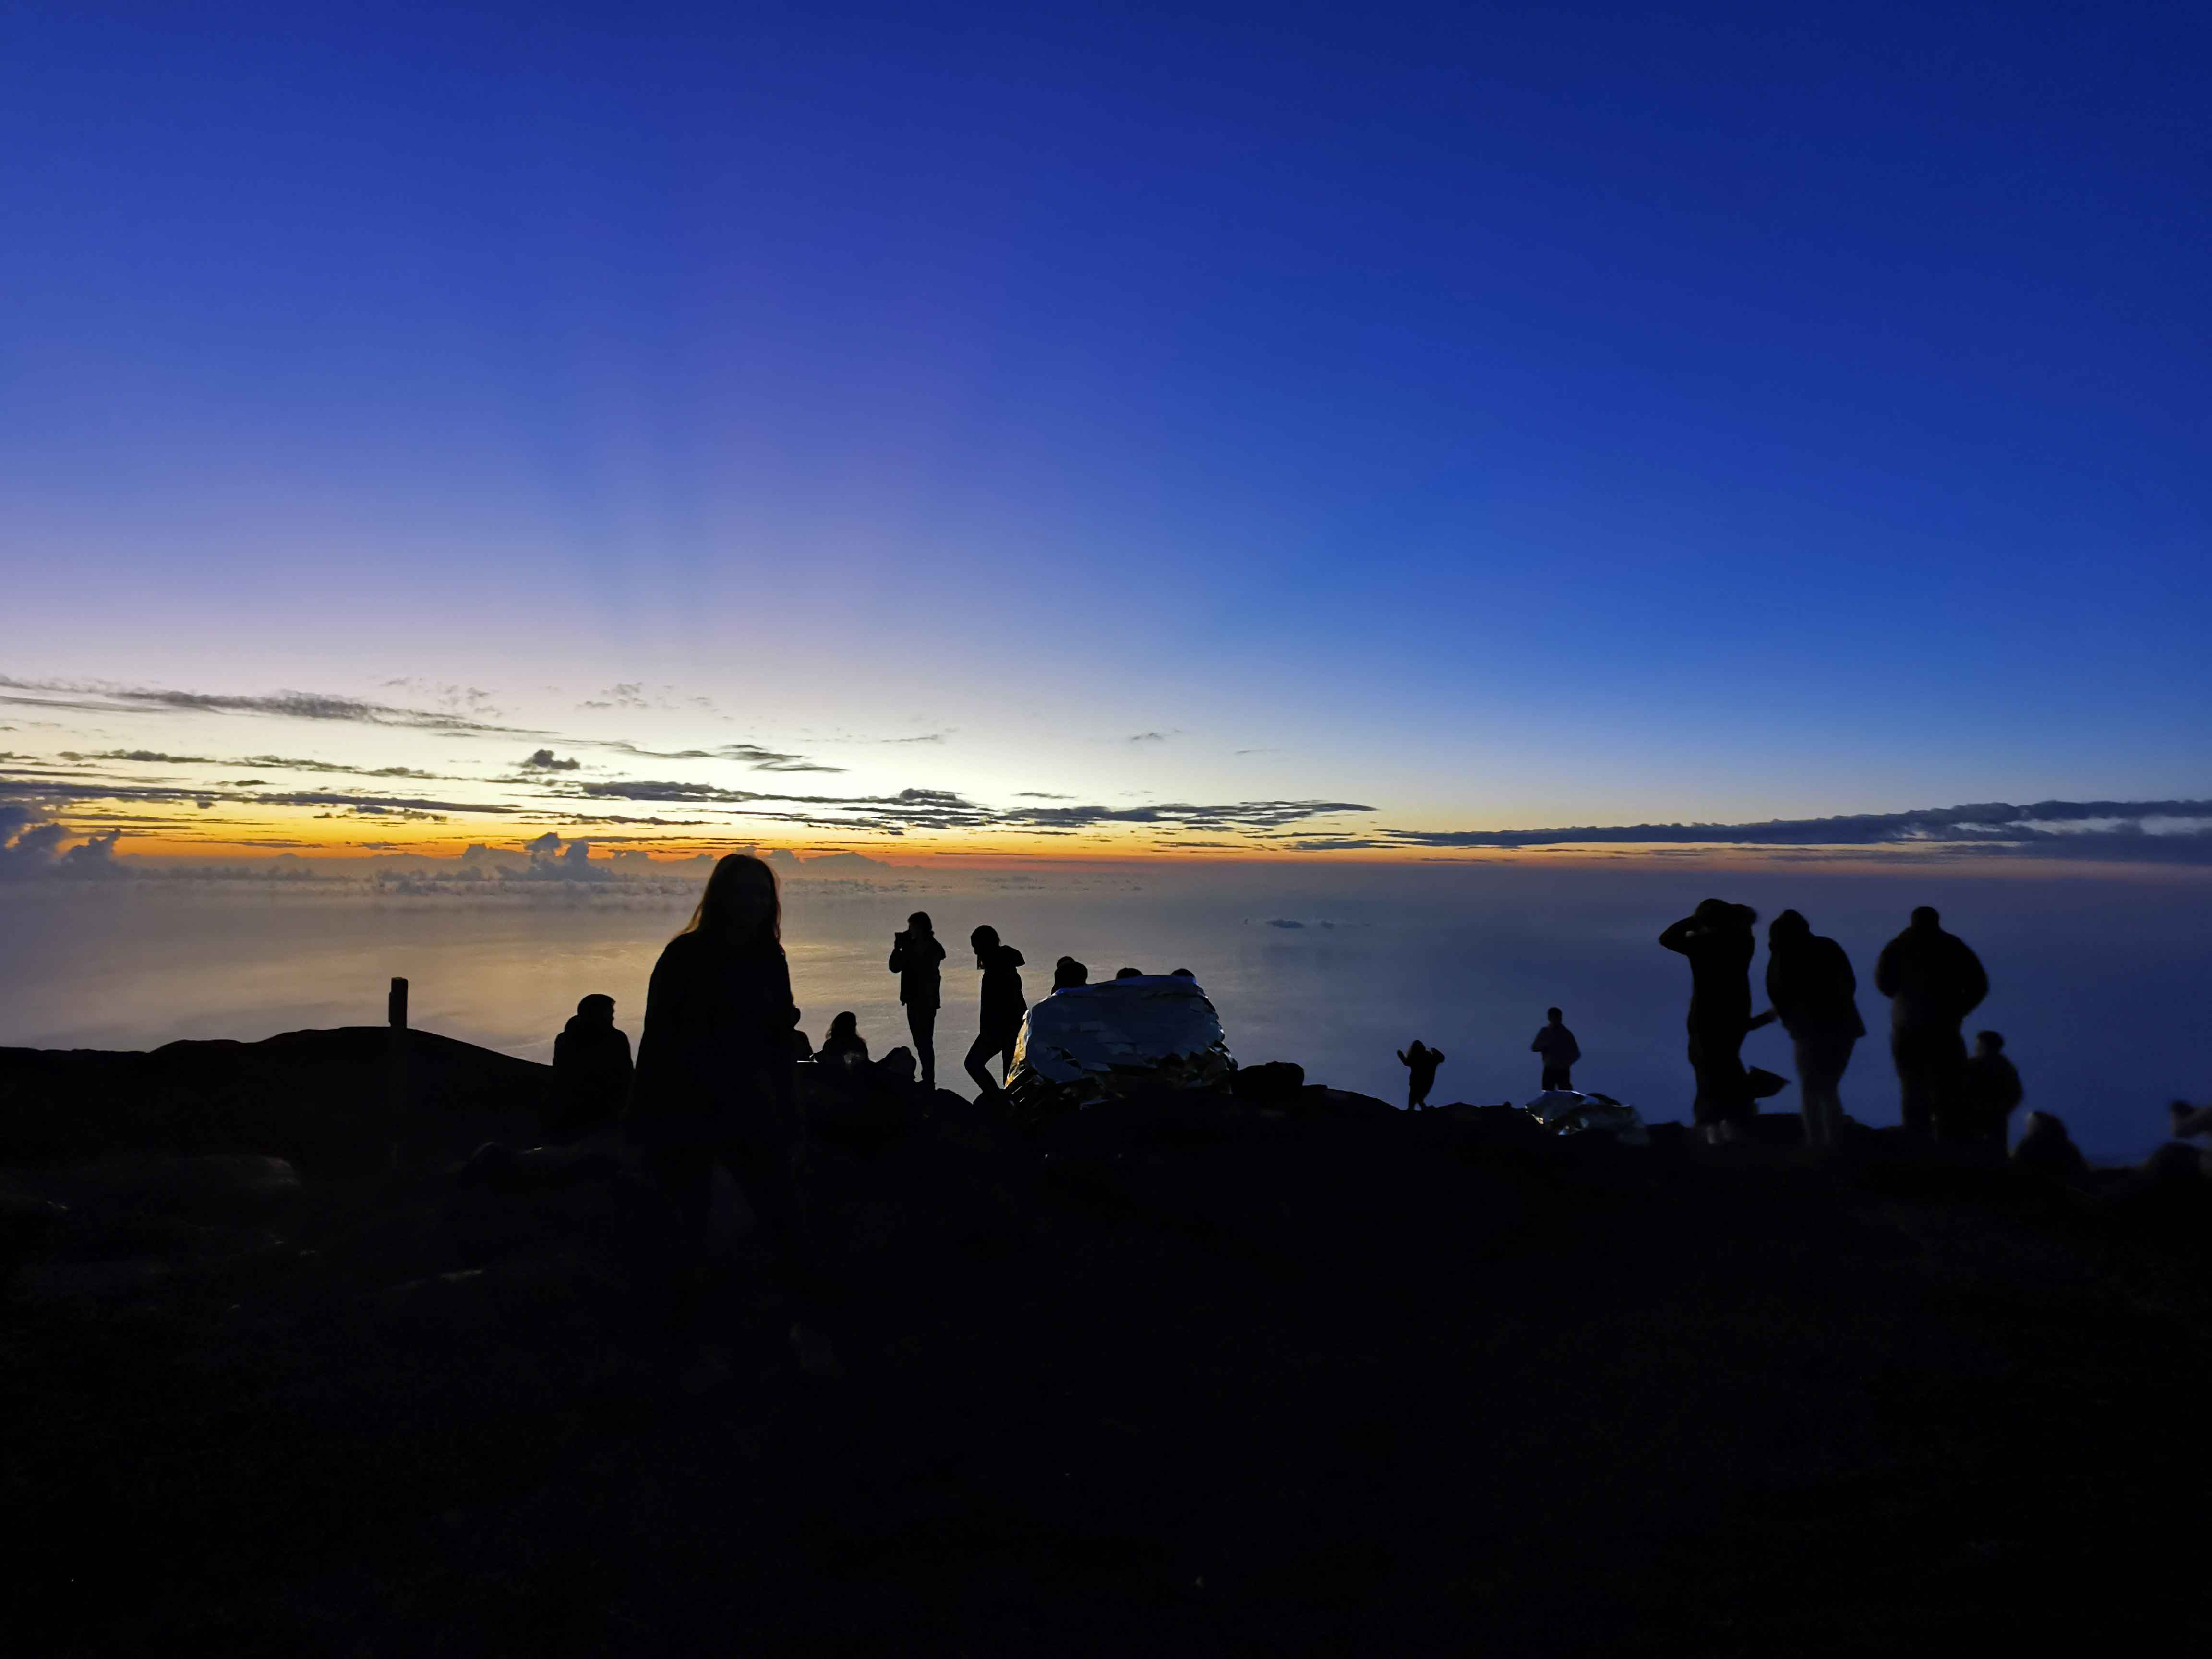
{"x":1554,"y":1042}
{"x":1933,"y":980}
{"x":713,"y":1082}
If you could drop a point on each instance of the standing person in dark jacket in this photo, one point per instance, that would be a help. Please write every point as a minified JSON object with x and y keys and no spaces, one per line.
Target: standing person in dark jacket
{"x":1933,"y":982}
{"x":916,"y":954}
{"x":1002,"y":1009}
{"x":591,"y":1071}
{"x":1717,"y":939}
{"x":714,"y":1081}
{"x":1814,"y":993}
{"x":1559,"y":1049}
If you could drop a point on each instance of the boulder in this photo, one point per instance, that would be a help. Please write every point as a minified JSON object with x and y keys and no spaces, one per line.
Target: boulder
{"x":1272,"y":1083}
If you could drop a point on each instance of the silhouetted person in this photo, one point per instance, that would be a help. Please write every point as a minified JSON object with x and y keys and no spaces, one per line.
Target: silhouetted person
{"x":999,"y":1016}
{"x":845,"y":1045}
{"x":1556,"y":1044}
{"x":1989,"y":1089}
{"x":2046,"y":1149}
{"x":1814,"y":993}
{"x":1933,"y":982}
{"x":2188,"y":1120}
{"x":916,"y":954}
{"x":1717,"y":939}
{"x":591,"y":1071}
{"x":1067,"y":972}
{"x":1129,"y":973}
{"x":1421,"y":1063}
{"x":1182,"y":973}
{"x":714,"y":1081}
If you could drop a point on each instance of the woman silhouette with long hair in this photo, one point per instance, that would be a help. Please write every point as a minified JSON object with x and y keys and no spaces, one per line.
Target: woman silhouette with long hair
{"x":916,"y":954}
{"x":714,"y":1081}
{"x":1003,"y":1006}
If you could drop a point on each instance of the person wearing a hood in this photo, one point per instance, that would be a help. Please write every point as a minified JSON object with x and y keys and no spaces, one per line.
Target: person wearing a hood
{"x":591,"y":1071}
{"x":1716,"y":938}
{"x":1003,"y":1006}
{"x":1814,"y":991}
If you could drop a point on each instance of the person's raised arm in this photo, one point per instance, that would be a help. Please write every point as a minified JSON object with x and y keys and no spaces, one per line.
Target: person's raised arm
{"x":1678,"y":936}
{"x":898,"y":951}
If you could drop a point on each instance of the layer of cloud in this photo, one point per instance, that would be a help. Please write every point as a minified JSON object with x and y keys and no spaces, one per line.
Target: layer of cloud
{"x":2169,"y":830}
{"x":284,"y":705}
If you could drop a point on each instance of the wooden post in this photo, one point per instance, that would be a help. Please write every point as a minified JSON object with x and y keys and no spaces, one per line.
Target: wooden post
{"x":398,"y":1116}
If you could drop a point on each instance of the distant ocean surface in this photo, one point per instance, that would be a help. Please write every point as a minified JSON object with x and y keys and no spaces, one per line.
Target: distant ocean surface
{"x":2100,"y":979}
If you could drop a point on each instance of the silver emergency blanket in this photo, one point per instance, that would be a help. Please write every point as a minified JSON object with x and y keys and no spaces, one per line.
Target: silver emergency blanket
{"x":1091,"y":1042}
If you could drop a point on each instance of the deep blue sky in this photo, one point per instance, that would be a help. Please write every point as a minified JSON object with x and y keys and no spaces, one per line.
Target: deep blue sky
{"x":1500,"y":415}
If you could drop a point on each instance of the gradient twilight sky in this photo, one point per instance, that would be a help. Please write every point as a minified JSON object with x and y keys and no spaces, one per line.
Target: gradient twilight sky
{"x":1489,"y":416}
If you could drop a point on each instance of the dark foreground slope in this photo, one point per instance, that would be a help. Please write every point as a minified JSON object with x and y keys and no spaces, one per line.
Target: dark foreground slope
{"x":1262,"y":1383}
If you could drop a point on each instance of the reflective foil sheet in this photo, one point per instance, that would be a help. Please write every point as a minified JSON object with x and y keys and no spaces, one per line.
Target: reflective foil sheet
{"x":1092,"y":1043}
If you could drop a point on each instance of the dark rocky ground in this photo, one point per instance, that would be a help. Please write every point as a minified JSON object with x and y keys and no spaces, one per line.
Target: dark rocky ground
{"x":1225,"y":1382}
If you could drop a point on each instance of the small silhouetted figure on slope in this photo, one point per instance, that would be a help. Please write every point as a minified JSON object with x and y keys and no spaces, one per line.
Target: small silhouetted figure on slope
{"x":1933,"y":982}
{"x":1814,"y":993}
{"x":1989,"y":1089}
{"x":1067,"y":972}
{"x":1129,"y":973}
{"x":916,"y":954}
{"x":714,"y":1080}
{"x":591,"y":1071}
{"x":1717,"y":939}
{"x":845,"y":1046}
{"x":1182,"y":973}
{"x":1001,"y":1014}
{"x":1420,"y":1062}
{"x":1556,"y":1044}
{"x":2047,"y":1150}
{"x":2187,"y":1120}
